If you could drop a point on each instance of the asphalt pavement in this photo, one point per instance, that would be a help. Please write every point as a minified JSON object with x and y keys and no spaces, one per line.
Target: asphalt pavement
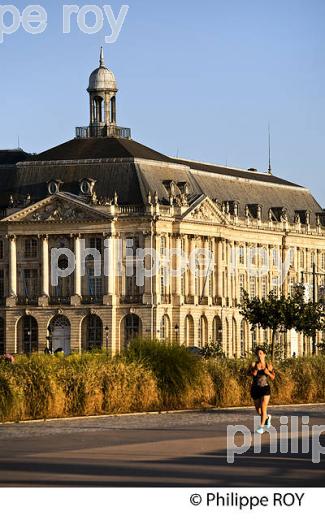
{"x":174,"y":449}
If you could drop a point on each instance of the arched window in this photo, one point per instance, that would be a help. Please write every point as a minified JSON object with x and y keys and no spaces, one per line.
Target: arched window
{"x":27,"y":335}
{"x":189,"y":331}
{"x":131,"y":327}
{"x":227,"y":337}
{"x":113,"y":110}
{"x":98,"y":109}
{"x":203,"y":331}
{"x":60,"y":332}
{"x":94,"y":332}
{"x":234,"y":337}
{"x":165,"y":328}
{"x":217,"y":330}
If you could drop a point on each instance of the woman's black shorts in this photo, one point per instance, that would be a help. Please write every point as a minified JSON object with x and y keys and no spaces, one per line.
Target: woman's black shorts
{"x":259,"y":391}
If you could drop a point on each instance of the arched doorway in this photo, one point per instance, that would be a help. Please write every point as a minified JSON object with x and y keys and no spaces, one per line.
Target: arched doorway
{"x":234,"y":337}
{"x":27,"y":335}
{"x":2,"y":336}
{"x":92,"y":332}
{"x":60,"y":333}
{"x":227,"y":337}
{"x":217,"y":330}
{"x":165,"y":328}
{"x":131,"y":328}
{"x":189,"y":331}
{"x":203,"y":331}
{"x":243,"y":338}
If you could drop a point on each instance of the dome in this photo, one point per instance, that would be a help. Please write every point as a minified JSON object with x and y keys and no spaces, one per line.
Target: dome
{"x":102,"y":78}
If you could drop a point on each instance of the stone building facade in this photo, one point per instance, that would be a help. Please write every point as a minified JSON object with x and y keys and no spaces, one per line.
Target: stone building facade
{"x":102,"y":190}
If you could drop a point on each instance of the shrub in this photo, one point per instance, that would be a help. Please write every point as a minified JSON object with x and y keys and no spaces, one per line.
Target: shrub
{"x":149,"y":376}
{"x":180,"y":374}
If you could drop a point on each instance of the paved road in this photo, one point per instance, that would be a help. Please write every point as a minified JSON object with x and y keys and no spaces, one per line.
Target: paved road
{"x":182,"y":449}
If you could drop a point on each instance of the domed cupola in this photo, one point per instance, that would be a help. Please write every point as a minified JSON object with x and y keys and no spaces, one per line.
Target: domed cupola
{"x":102,"y":79}
{"x":102,"y":90}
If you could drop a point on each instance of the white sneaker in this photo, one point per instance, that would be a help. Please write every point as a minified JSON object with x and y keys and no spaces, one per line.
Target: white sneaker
{"x":260,"y":430}
{"x":268,"y":421}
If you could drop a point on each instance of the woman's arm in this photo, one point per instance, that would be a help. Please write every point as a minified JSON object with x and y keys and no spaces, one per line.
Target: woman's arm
{"x":269,"y":371}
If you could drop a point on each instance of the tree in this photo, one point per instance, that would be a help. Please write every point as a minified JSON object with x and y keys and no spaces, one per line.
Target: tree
{"x":278,"y":314}
{"x":311,"y":319}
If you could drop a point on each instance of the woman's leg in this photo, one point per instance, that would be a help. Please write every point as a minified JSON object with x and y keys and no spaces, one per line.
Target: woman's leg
{"x":257,"y":403}
{"x":264,"y":404}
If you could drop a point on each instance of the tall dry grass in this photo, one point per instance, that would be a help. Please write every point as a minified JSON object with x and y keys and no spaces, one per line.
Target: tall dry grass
{"x":149,"y":376}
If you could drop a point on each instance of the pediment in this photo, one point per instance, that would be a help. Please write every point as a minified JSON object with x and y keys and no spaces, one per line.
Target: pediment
{"x":205,"y":211}
{"x":57,"y":208}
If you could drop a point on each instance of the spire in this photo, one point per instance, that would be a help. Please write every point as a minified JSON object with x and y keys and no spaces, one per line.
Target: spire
{"x":269,"y":171}
{"x":101,"y":59}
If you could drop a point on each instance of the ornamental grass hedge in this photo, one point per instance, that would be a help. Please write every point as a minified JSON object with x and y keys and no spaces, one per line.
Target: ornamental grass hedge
{"x":149,"y":376}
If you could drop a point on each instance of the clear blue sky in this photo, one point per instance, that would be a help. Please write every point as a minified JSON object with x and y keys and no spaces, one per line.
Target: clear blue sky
{"x":201,"y":78}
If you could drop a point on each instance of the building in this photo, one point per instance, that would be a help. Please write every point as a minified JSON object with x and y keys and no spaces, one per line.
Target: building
{"x":105,"y":188}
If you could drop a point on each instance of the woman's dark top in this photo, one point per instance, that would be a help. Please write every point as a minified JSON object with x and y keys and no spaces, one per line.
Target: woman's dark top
{"x":260,"y":385}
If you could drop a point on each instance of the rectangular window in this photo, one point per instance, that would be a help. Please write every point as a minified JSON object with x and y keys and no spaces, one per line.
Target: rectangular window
{"x":312,"y":259}
{"x":252,"y":286}
{"x":323,"y":261}
{"x":275,"y":284}
{"x":241,"y":286}
{"x":96,"y":243}
{"x":95,"y":283}
{"x":31,"y":248}
{"x":264,"y":287}
{"x":30,"y":281}
{"x":241,"y":255}
{"x":302,"y":259}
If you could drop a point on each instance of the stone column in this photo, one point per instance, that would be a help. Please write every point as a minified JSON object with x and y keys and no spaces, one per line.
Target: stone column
{"x":229,"y":274}
{"x":43,"y":299}
{"x":148,"y":280}
{"x":76,"y":298}
{"x":219,"y":269}
{"x":208,"y":266}
{"x":110,"y":268}
{"x":156,"y":280}
{"x":285,"y":281}
{"x":191,"y":268}
{"x":186,"y":266}
{"x":177,"y":282}
{"x":11,"y":300}
{"x":45,"y":265}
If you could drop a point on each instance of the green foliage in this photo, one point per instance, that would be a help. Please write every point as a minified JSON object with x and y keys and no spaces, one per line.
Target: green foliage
{"x":175,"y":368}
{"x":212,"y":350}
{"x":281,"y":314}
{"x":149,"y":376}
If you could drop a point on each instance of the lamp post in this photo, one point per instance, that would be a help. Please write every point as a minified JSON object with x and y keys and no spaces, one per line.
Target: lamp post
{"x":106,"y":334}
{"x":176,"y":328}
{"x":29,"y":334}
{"x":315,"y":275}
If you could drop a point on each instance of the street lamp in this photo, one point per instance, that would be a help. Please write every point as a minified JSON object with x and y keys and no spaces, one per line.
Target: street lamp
{"x":29,"y":334}
{"x":106,"y":333}
{"x":315,"y":275}
{"x":176,"y":328}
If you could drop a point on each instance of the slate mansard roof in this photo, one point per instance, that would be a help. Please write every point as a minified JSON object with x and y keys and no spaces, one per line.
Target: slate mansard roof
{"x":132,"y":170}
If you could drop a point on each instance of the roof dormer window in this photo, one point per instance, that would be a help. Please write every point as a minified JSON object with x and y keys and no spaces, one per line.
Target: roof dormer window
{"x":53,"y":186}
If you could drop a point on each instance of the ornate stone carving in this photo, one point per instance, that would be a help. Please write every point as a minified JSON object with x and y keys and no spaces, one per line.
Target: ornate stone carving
{"x":61,"y":211}
{"x":205,"y":212}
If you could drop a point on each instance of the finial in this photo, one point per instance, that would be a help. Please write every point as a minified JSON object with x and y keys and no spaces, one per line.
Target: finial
{"x":269,"y":171}
{"x":101,"y":59}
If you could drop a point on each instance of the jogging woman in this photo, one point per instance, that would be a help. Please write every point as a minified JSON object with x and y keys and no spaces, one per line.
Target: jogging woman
{"x":260,"y":390}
